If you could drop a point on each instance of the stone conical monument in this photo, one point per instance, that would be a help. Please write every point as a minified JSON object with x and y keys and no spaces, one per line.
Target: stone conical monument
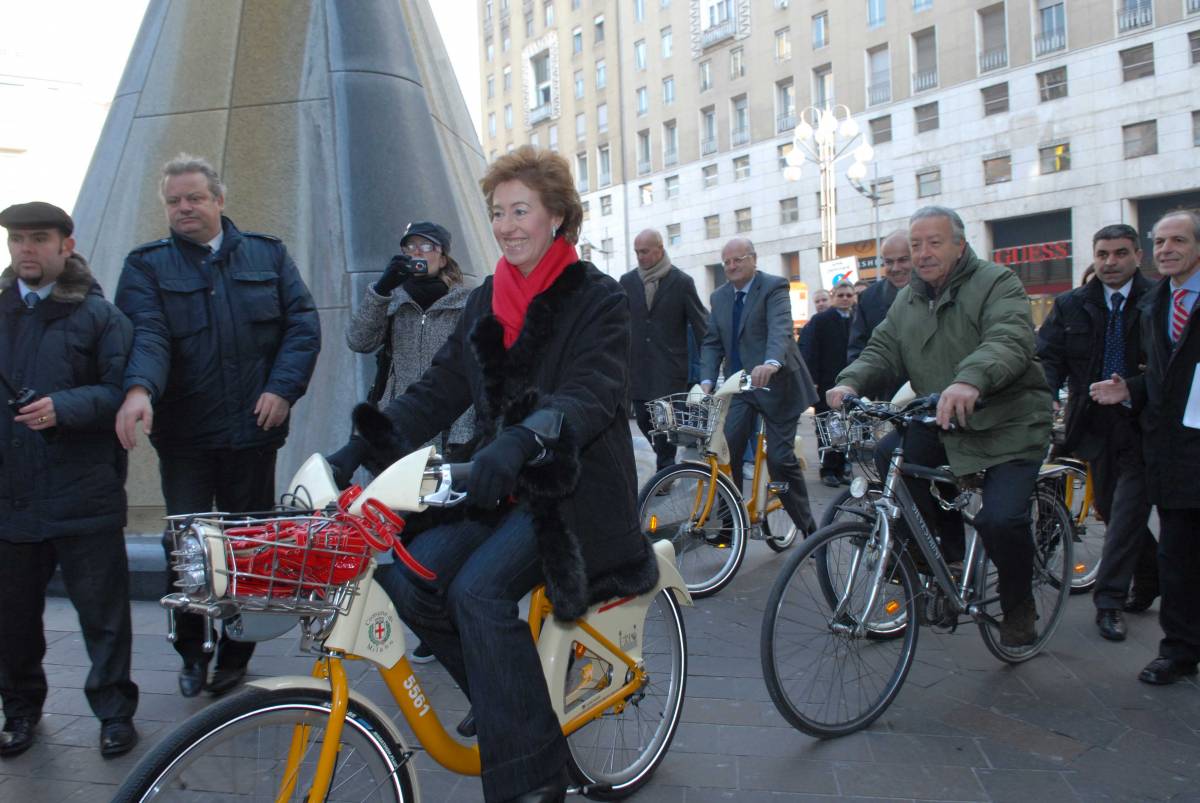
{"x":333,"y":124}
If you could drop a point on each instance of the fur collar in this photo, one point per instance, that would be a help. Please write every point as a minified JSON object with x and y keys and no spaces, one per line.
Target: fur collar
{"x":73,"y":283}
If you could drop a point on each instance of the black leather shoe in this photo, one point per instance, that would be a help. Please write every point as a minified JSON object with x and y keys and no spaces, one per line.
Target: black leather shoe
{"x":554,"y":791}
{"x":466,"y":728}
{"x":17,"y":736}
{"x":1162,"y":671}
{"x":117,"y":737}
{"x":830,"y":481}
{"x":1139,"y":601}
{"x":1111,"y":624}
{"x":225,"y":679}
{"x":191,"y":679}
{"x":1019,"y":626}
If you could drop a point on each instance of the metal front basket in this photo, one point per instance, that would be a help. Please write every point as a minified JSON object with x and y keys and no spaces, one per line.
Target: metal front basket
{"x":296,"y":564}
{"x":684,"y":417}
{"x":853,"y":435}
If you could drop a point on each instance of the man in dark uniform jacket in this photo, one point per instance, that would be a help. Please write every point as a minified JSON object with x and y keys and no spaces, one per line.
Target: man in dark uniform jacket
{"x":62,"y":476}
{"x":663,"y":304}
{"x":874,"y":302}
{"x":824,"y":353}
{"x":1167,"y":394}
{"x":1091,"y":333}
{"x":225,"y":340}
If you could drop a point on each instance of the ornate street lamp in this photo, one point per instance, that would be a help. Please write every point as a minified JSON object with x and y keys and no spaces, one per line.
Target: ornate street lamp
{"x":824,"y":137}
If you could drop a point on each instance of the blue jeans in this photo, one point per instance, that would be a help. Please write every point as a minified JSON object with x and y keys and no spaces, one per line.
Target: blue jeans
{"x":469,"y":617}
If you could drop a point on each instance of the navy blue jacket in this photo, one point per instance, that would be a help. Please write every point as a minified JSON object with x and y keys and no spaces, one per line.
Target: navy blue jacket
{"x":69,"y":480}
{"x":213,"y":332}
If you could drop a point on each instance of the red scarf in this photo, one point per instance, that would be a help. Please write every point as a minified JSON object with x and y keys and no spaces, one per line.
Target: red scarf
{"x":512,"y":290}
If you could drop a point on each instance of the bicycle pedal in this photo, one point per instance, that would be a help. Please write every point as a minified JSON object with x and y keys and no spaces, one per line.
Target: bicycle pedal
{"x":777,"y":487}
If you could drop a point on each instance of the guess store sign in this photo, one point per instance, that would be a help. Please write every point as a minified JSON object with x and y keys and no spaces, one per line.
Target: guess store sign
{"x":1043,"y":267}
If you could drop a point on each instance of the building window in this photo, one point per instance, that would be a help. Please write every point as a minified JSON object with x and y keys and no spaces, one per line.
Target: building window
{"x":929,"y":182}
{"x":785,"y":106}
{"x":737,"y":63}
{"x":1194,"y":44}
{"x":1141,"y":139}
{"x":490,"y":52}
{"x":670,"y":140}
{"x":601,"y":74}
{"x":1051,"y":27}
{"x":993,"y":41}
{"x":717,"y":12}
{"x":639,"y":10}
{"x":586,"y":209}
{"x":741,"y":168}
{"x":739,"y":121}
{"x":997,"y":169}
{"x":1054,"y":158}
{"x":646,"y":194}
{"x":995,"y":99}
{"x":491,"y":124}
{"x":925,"y":71}
{"x":548,"y":13}
{"x":643,"y":152}
{"x":922,"y":5}
{"x":508,"y":79}
{"x":1196,"y":129}
{"x":820,"y":30}
{"x":668,"y":90}
{"x":577,"y":40}
{"x":705,"y":76}
{"x":823,"y":86}
{"x":789,"y":211}
{"x":579,"y":85}
{"x":926,"y":116}
{"x":540,"y":65}
{"x":783,"y":44}
{"x":602,"y":118}
{"x":529,"y":26}
{"x":598,"y":27}
{"x":667,"y":45}
{"x":605,"y":204}
{"x":881,"y":129}
{"x":1052,"y":84}
{"x":581,"y":172}
{"x":876,"y":13}
{"x":743,"y":220}
{"x":674,"y":235}
{"x":639,"y":54}
{"x":505,"y":40}
{"x":1137,"y":62}
{"x":580,"y":125}
{"x":879,"y":75}
{"x":1134,"y":14}
{"x":708,"y":130}
{"x":643,"y":100}
{"x":708,"y":176}
{"x":508,"y":116}
{"x":782,"y":151}
{"x":671,"y":185}
{"x":552,"y":137}
{"x":885,"y":189}
{"x":712,"y":227}
{"x":491,"y":86}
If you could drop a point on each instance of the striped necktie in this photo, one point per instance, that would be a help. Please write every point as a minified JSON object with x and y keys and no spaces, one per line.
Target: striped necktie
{"x":1179,"y":315}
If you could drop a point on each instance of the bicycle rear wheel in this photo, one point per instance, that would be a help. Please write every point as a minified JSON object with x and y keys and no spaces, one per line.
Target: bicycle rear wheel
{"x":624,"y":747}
{"x":708,"y":548}
{"x":237,"y":749}
{"x":1088,"y":546}
{"x":1053,"y":541}
{"x":779,"y":531}
{"x":825,"y":677}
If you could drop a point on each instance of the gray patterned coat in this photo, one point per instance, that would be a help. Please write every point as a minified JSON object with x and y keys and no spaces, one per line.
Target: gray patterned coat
{"x":416,"y":337}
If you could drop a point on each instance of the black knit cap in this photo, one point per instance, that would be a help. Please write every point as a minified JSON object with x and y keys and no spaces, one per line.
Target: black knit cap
{"x":37,"y":215}
{"x":430,"y":231}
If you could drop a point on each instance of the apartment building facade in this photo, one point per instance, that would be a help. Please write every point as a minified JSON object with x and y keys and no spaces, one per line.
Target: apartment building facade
{"x":1038,"y":120}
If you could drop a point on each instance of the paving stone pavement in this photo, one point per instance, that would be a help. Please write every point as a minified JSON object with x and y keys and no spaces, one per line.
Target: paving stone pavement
{"x":1072,"y":724}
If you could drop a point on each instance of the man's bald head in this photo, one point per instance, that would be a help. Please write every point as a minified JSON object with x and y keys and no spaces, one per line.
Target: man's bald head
{"x":897,"y":258}
{"x":648,"y":247}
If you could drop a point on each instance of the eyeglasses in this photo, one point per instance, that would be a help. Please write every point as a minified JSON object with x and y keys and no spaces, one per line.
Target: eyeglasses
{"x":419,"y":248}
{"x":729,"y":263}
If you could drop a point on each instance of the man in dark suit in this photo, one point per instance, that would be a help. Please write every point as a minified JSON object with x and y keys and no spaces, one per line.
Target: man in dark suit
{"x":824,"y":352}
{"x":662,"y":303}
{"x":876,"y":300}
{"x":1091,"y":333}
{"x":1167,"y":395}
{"x":750,"y":328}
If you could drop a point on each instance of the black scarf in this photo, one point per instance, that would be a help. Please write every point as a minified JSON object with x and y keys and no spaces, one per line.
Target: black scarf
{"x":425,"y":290}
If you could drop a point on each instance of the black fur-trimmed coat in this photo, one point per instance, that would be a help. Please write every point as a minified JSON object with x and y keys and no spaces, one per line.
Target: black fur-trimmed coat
{"x":572,"y":356}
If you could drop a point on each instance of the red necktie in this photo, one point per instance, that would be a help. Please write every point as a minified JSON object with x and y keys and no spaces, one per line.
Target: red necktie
{"x":1179,"y":315}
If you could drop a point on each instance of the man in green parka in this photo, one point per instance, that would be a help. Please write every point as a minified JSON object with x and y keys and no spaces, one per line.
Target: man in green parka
{"x":963,"y":329}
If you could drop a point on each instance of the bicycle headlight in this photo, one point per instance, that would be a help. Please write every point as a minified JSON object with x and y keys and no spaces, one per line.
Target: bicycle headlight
{"x":858,"y":487}
{"x":190,"y":563}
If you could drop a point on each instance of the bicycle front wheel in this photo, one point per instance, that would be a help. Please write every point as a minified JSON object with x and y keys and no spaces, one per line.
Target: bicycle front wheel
{"x":1053,"y":542}
{"x":709,"y":540}
{"x":238,"y":749}
{"x":625,"y":745}
{"x":779,"y":531}
{"x":826,"y":672}
{"x":1088,"y":541}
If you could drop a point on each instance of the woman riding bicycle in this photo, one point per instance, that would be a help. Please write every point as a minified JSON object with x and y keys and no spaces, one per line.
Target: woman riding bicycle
{"x":541,"y":352}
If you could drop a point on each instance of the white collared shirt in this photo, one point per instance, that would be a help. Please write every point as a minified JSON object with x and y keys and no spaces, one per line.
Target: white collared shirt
{"x":43,"y":291}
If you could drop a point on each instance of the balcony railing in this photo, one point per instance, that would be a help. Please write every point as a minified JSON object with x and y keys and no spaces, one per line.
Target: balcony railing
{"x":880,"y":91}
{"x":643,"y":166}
{"x":785,"y":122}
{"x":1139,"y":16}
{"x":536,"y":115}
{"x":708,"y":145}
{"x":993,"y":59}
{"x":717,"y":33}
{"x":1050,"y":41}
{"x":670,"y":157}
{"x":739,"y":136}
{"x":924,"y":79}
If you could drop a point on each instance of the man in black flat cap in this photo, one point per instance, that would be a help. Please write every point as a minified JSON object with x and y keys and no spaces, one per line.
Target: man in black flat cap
{"x":62,"y":475}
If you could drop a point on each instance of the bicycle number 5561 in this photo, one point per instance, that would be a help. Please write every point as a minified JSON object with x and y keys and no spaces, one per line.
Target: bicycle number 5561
{"x":416,"y":695}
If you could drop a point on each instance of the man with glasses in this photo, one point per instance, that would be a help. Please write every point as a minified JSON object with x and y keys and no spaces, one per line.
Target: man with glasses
{"x":750,"y":329}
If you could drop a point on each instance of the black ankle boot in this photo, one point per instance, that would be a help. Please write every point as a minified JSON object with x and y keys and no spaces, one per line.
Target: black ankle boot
{"x":553,"y":791}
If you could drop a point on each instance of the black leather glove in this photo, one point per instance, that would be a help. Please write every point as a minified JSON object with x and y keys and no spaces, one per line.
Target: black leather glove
{"x":399,"y":269}
{"x":495,"y":467}
{"x":345,"y":461}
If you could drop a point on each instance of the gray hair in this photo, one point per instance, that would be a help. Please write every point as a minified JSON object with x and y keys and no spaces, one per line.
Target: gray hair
{"x":956,"y":224}
{"x":1191,"y":214}
{"x":187,"y":163}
